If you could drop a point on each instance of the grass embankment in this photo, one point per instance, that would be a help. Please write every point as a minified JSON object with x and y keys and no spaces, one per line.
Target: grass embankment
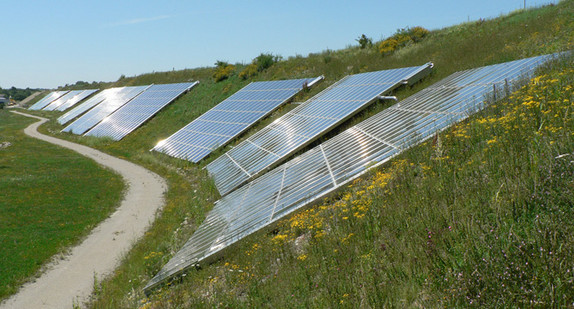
{"x":480,"y":216}
{"x":50,"y":198}
{"x":335,"y":267}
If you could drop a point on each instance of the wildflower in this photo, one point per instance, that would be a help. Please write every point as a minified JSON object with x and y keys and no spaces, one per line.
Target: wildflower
{"x":491,"y":141}
{"x":320,"y":234}
{"x":348,"y":237}
{"x":279,"y":239}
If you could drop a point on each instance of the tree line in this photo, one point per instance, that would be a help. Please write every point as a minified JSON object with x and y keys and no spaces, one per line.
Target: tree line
{"x":17,"y":94}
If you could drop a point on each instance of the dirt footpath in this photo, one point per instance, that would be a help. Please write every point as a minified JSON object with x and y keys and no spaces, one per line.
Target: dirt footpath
{"x":71,"y":280}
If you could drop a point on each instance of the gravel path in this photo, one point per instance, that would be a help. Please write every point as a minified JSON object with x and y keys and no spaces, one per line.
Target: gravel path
{"x":71,"y":281}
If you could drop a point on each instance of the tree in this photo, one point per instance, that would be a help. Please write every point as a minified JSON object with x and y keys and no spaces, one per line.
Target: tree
{"x":364,"y":41}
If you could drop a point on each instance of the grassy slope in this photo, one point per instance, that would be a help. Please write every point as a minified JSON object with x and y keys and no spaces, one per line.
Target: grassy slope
{"x":279,"y":276}
{"x":480,"y":217}
{"x":50,"y":198}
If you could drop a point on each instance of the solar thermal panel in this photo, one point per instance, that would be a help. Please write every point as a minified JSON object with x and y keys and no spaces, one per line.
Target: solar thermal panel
{"x":140,"y":109}
{"x":84,"y":107}
{"x":304,"y":124}
{"x":76,"y":99}
{"x":230,"y":118}
{"x":54,"y":95}
{"x":61,"y":100}
{"x":113,"y":100}
{"x":338,"y":161}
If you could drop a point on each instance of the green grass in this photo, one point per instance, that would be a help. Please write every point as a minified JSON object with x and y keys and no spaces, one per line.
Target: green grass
{"x":51,"y":197}
{"x":386,"y":256}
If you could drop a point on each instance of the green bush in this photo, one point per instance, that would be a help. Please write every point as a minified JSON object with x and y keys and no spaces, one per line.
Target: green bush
{"x":265,"y":61}
{"x":249,"y":71}
{"x":223,"y":71}
{"x":259,"y":64}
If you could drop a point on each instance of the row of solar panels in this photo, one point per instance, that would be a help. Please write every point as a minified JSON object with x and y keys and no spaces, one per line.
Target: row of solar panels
{"x":62,"y":100}
{"x":113,"y":112}
{"x":252,"y":202}
{"x":116,"y":112}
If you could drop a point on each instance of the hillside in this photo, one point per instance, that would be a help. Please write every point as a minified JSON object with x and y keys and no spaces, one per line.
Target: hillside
{"x":479,"y":218}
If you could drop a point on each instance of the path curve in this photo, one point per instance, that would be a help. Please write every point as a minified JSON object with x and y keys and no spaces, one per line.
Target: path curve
{"x":71,"y":280}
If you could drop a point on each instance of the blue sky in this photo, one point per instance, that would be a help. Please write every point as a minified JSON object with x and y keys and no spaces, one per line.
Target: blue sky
{"x":45,"y":44}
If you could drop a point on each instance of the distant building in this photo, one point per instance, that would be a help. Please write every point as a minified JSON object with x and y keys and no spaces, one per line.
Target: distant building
{"x":3,"y":101}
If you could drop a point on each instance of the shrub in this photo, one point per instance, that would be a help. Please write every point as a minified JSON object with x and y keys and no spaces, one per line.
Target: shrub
{"x":264,"y":61}
{"x":259,"y":64}
{"x":401,"y":38}
{"x":220,"y":63}
{"x":223,"y":71}
{"x":364,"y":41}
{"x":418,"y":33}
{"x":249,"y":71}
{"x":388,"y":46}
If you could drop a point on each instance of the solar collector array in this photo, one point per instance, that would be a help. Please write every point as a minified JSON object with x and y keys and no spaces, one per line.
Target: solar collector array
{"x":82,"y":108}
{"x":137,"y":111}
{"x":304,"y":124}
{"x":47,"y":100}
{"x":230,"y":118}
{"x":76,"y":99}
{"x":61,"y":100}
{"x":338,"y":161}
{"x":114,"y":100}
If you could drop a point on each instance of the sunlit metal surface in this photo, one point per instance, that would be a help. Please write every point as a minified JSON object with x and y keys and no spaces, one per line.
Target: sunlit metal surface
{"x":114,"y":99}
{"x":137,"y":111}
{"x":51,"y":97}
{"x":348,"y":155}
{"x":76,"y":99}
{"x":304,"y":124}
{"x":84,"y":107}
{"x":61,"y":100}
{"x":230,"y":118}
